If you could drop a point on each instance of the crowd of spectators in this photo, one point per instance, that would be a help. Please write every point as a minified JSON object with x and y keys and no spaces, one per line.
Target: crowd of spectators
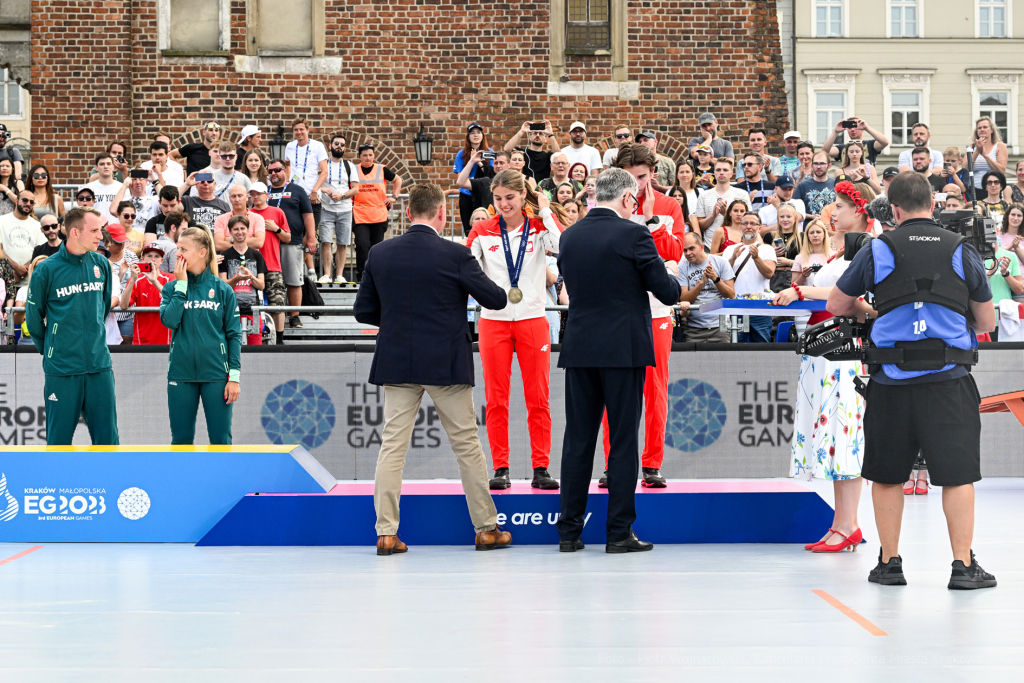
{"x":755,"y":223}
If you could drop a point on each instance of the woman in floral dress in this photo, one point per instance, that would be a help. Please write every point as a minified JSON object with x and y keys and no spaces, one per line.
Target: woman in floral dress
{"x":828,"y":435}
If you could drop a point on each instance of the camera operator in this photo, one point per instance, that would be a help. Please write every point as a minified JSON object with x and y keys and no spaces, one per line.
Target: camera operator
{"x":929,"y":402}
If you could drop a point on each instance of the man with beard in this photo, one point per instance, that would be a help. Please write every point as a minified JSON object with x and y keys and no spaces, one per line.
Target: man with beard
{"x":336,"y":213}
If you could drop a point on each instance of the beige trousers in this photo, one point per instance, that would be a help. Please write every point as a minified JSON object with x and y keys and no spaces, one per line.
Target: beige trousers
{"x":455,"y":408}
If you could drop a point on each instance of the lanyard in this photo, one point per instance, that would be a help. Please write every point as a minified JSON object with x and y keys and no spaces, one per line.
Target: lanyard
{"x":280,"y":197}
{"x":514,"y":269}
{"x":330,"y":171}
{"x":305,"y":157}
{"x":226,"y":185}
{"x":760,"y":188}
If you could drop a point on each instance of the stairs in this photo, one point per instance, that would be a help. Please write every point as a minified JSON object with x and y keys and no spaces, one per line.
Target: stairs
{"x":331,"y":327}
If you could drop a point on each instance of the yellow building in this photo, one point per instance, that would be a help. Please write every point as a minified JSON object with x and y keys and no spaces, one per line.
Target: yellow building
{"x":896,"y":62}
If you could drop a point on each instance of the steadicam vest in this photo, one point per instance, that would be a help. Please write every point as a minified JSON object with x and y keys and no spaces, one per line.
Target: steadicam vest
{"x":922,"y":300}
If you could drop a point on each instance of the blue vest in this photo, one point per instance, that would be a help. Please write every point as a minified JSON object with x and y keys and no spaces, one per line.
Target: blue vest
{"x":921,"y":317}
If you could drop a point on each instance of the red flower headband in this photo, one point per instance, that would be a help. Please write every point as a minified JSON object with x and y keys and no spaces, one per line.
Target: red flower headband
{"x":847,"y":188}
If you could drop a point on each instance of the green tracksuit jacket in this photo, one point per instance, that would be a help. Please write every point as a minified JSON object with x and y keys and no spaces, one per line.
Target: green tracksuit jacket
{"x":68,"y":302}
{"x":206,"y":341}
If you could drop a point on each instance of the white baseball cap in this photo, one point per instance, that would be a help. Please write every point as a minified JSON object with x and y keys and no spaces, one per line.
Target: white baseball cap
{"x":258,"y":187}
{"x":578,"y":124}
{"x":249,"y":131}
{"x":792,"y":134}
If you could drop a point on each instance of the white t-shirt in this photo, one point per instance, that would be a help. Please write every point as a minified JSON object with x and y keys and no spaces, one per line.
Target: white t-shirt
{"x":905,"y":158}
{"x":610,"y":155}
{"x":145,"y":208}
{"x":770,"y":215}
{"x":104,"y":194}
{"x":114,"y":337}
{"x":174,"y":175}
{"x":750,"y":280}
{"x":339,"y":173}
{"x":706,"y":206}
{"x":20,"y":238}
{"x":305,"y":162}
{"x":586,"y":155}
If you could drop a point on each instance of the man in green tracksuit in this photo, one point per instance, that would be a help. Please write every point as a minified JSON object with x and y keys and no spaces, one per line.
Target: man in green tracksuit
{"x":205,"y":361}
{"x":69,"y":297}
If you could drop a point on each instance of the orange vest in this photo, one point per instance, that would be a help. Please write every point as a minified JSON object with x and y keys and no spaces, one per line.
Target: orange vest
{"x":368,"y":205}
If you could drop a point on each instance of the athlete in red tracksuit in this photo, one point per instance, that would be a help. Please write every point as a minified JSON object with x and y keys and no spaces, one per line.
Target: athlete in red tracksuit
{"x":665,"y":219}
{"x":520,"y":328}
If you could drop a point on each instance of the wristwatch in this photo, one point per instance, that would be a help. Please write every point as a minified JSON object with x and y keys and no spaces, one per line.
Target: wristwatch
{"x":716,"y":280}
{"x":654,"y":221}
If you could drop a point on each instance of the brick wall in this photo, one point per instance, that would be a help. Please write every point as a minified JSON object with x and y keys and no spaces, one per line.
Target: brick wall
{"x":97,"y":76}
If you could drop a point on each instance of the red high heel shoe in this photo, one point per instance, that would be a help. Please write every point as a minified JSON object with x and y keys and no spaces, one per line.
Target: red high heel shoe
{"x":918,"y":488}
{"x":811,"y":546}
{"x":851,"y":542}
{"x":908,"y":488}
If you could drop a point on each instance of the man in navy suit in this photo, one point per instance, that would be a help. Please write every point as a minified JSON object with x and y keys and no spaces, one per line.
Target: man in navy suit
{"x":609,"y":264}
{"x":414,"y":289}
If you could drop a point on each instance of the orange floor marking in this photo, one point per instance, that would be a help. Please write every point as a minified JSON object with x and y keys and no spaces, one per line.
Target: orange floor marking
{"x":864,"y":623}
{"x":23,"y":553}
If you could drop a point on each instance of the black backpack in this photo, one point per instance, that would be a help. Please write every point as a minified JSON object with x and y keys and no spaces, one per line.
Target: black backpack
{"x":311,"y":295}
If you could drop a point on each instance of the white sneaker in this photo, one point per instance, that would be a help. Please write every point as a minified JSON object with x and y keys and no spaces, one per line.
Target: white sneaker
{"x":325,"y":280}
{"x":340,"y":281}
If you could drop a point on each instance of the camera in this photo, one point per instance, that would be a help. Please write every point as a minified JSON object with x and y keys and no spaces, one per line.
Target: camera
{"x":979,"y":231}
{"x":145,"y":267}
{"x":120,"y":159}
{"x":849,"y":124}
{"x":488,"y":156}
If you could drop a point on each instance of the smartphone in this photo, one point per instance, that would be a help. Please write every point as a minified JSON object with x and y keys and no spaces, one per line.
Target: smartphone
{"x":537,"y":125}
{"x":208,"y":177}
{"x":488,"y":156}
{"x":778,"y":242}
{"x":139,"y":173}
{"x":145,"y":267}
{"x":849,"y":124}
{"x":940,"y":196}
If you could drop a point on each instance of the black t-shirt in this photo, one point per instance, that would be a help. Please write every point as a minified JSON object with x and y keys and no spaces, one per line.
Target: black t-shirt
{"x":480,"y":190}
{"x":43,"y":250}
{"x":197,"y":157}
{"x":155,"y":224}
{"x":763,"y":188}
{"x":792,"y":251}
{"x":294,"y":201}
{"x":937,"y":182}
{"x":869,"y":145}
{"x":389,"y":175}
{"x":205,"y":211}
{"x":246,"y":294}
{"x":538,"y":165}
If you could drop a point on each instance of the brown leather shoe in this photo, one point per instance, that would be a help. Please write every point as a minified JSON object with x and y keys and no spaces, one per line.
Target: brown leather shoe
{"x":489,"y":540}
{"x":386,"y":545}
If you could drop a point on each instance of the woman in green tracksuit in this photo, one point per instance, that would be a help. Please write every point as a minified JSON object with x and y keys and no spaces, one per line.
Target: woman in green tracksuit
{"x":206,"y":345}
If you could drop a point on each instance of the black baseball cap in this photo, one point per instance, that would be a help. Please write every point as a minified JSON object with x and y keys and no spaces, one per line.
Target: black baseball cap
{"x":890,"y":172}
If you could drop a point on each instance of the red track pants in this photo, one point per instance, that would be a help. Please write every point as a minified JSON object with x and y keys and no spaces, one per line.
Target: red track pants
{"x":655,"y":399}
{"x":530,"y":340}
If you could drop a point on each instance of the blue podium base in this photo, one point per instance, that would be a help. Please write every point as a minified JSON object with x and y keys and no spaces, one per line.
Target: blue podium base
{"x":435,"y":514}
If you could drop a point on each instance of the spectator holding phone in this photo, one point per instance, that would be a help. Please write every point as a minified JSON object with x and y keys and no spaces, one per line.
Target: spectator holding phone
{"x":705,"y":168}
{"x":144,"y":288}
{"x":855,"y":128}
{"x":542,"y":144}
{"x":785,"y":238}
{"x":855,"y":168}
{"x":244,"y":269}
{"x":952,"y":174}
{"x":476,"y":141}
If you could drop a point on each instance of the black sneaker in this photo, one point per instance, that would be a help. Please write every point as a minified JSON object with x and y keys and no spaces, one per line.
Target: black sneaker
{"x":653,"y":479}
{"x":968,"y":578}
{"x":501,"y":481}
{"x":543,"y":480}
{"x":294,"y":321}
{"x":602,"y":483}
{"x":888,"y":574}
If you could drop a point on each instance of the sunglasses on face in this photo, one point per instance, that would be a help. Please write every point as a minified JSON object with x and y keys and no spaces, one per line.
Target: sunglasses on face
{"x":28,"y":201}
{"x":40,"y":176}
{"x":204,"y":182}
{"x":228,"y":156}
{"x":622,"y":136}
{"x":746,"y":164}
{"x":992,"y":182}
{"x":275,"y":170}
{"x":213,"y":126}
{"x":49,"y":228}
{"x":128,"y":215}
{"x":85,"y":198}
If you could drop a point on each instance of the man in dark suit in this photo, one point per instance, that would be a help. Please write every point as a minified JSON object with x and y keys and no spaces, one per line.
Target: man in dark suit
{"x":609,"y":264}
{"x":414,"y":289}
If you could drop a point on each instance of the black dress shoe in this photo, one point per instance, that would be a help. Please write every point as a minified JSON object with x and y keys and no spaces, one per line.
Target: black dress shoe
{"x":543,"y":480}
{"x":968,"y":578}
{"x":602,"y":483}
{"x":500,"y":482}
{"x":629,"y":545}
{"x":570,"y":546}
{"x":653,"y":479}
{"x":889,"y":573}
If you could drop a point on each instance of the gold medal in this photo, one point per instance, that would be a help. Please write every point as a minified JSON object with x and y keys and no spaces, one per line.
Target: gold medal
{"x":515,"y":295}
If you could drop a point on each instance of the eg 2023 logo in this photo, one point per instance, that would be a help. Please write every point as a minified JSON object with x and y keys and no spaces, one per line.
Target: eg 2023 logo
{"x":59,"y":504}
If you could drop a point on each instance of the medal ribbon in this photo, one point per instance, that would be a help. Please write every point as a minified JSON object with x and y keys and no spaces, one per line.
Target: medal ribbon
{"x":514,"y":269}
